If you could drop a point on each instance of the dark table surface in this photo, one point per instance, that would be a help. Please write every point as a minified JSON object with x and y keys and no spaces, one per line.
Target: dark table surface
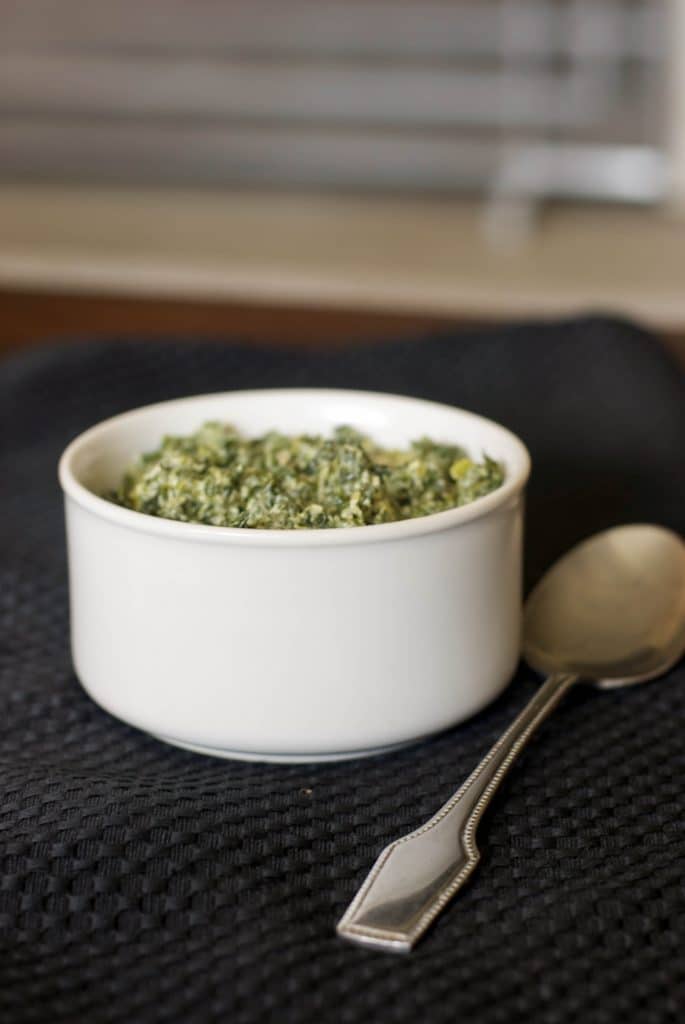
{"x":142,"y":883}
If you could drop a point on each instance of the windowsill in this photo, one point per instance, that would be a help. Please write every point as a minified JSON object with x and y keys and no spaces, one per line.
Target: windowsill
{"x":387,"y":254}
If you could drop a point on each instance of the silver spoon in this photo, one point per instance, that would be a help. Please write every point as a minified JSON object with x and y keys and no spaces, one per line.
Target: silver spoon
{"x":612,"y":611}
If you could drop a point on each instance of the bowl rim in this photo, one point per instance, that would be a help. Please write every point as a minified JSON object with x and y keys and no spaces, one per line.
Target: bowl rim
{"x":435,"y":522}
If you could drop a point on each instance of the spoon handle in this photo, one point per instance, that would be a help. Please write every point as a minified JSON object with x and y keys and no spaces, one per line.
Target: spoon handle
{"x":416,"y":876}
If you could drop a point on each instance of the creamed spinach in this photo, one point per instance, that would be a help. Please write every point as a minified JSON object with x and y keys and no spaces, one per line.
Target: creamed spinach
{"x":218,"y":477}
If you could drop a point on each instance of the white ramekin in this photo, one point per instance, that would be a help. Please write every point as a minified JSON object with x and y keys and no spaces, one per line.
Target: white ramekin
{"x":293,"y":645}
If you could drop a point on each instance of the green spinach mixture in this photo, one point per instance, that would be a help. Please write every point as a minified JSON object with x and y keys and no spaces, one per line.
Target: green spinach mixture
{"x":218,"y":477}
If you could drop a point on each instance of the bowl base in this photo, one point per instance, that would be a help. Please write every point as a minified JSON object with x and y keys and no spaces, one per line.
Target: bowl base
{"x":247,"y":755}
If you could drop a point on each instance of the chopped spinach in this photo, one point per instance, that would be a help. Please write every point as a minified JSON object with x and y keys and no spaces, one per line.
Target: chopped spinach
{"x":218,"y":477}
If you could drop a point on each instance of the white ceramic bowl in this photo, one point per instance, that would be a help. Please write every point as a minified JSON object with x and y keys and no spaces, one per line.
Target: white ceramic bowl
{"x":293,"y":645}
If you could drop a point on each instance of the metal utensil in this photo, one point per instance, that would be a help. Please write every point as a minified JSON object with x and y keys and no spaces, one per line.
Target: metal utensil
{"x":612,"y":611}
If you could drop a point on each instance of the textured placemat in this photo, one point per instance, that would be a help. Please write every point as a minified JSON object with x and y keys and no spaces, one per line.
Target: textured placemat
{"x":141,"y":883}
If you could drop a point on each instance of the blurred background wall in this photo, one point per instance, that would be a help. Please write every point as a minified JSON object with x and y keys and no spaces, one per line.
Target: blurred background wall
{"x":359,"y":165}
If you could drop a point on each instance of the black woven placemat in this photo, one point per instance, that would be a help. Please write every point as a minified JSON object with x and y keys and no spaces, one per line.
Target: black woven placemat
{"x":141,"y":883}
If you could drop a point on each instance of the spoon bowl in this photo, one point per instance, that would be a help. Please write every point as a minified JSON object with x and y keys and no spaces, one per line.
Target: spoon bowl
{"x":612,"y":610}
